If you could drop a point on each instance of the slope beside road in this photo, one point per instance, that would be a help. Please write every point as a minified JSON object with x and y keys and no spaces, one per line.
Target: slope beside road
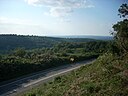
{"x":23,"y":84}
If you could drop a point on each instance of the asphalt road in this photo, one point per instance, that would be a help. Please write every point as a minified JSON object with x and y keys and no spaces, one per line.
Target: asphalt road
{"x":24,"y":83}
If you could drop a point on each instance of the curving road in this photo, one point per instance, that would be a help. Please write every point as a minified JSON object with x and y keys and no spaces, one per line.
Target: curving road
{"x":25,"y":83}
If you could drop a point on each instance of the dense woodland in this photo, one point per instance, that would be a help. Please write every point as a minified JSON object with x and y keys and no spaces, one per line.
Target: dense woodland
{"x":49,"y":52}
{"x":12,"y":41}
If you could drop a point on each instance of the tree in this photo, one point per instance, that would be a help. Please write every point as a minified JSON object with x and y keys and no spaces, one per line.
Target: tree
{"x":121,"y":28}
{"x":123,"y":10}
{"x":20,"y":52}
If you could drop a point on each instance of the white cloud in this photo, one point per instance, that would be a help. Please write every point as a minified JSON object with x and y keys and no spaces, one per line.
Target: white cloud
{"x":61,"y":8}
{"x":60,"y":11}
{"x":31,"y":2}
{"x":60,"y":3}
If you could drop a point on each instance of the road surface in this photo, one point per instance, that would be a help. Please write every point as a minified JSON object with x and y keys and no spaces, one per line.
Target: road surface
{"x":22,"y":84}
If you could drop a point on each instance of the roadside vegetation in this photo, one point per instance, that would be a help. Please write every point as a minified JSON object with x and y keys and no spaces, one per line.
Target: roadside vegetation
{"x":21,"y":62}
{"x":107,"y":76}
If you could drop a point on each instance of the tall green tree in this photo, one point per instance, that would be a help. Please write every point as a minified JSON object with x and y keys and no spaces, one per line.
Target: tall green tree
{"x":121,"y":28}
{"x":20,"y":52}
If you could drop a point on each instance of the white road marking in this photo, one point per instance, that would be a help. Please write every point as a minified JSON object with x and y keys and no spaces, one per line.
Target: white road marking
{"x":44,"y":78}
{"x":32,"y":83}
{"x":25,"y":78}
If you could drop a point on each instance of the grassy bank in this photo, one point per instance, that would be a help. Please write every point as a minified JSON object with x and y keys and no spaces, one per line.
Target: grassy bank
{"x":107,"y":76}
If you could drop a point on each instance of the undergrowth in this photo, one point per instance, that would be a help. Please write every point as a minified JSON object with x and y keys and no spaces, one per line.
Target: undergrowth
{"x":107,"y":76}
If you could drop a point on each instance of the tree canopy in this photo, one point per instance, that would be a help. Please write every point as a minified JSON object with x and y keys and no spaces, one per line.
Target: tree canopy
{"x":121,"y":28}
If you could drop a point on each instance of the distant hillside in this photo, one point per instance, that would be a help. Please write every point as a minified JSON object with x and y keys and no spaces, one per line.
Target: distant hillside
{"x":10,"y":42}
{"x":87,"y":36}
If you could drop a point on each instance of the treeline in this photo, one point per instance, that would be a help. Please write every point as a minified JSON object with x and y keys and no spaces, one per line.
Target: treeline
{"x":12,"y":41}
{"x":20,"y":61}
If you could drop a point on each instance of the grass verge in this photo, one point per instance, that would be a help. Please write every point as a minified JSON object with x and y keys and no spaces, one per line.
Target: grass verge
{"x":107,"y":76}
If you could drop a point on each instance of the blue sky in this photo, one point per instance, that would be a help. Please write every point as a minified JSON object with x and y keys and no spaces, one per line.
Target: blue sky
{"x":58,"y":17}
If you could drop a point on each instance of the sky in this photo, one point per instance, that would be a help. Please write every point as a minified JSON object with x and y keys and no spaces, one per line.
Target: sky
{"x":58,"y":17}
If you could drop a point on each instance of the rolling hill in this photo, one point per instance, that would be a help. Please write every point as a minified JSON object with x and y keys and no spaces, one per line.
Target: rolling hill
{"x":10,"y":42}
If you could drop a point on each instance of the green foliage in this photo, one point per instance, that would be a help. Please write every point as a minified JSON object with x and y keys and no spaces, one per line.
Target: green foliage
{"x":121,"y":29}
{"x":57,"y":52}
{"x":123,"y":10}
{"x":11,"y":42}
{"x":107,"y":76}
{"x":21,"y":61}
{"x":20,"y":52}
